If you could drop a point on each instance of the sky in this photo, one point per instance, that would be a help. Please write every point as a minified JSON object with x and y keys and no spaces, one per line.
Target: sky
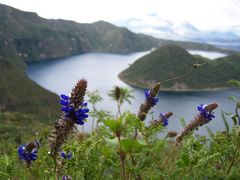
{"x":203,"y":14}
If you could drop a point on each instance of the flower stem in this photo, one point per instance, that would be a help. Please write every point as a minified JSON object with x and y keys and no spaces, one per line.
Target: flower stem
{"x":122,"y":159}
{"x":119,"y":109}
{"x":123,"y":168}
{"x":232,"y":162}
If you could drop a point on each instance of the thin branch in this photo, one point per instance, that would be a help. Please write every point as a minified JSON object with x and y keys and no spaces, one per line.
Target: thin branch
{"x":174,"y":78}
{"x":232,"y":162}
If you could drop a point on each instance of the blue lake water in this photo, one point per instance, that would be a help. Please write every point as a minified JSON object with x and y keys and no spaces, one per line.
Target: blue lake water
{"x":101,"y":70}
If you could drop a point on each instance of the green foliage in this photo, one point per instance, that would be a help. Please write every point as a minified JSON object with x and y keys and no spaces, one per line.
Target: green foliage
{"x":114,"y":125}
{"x":234,"y":82}
{"x":98,"y":155}
{"x":94,"y":97}
{"x":130,"y":145}
{"x":17,"y":127}
{"x":125,"y":95}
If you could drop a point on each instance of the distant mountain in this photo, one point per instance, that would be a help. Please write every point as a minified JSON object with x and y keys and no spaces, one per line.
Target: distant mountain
{"x":162,"y":28}
{"x":171,"y":61}
{"x":27,"y":37}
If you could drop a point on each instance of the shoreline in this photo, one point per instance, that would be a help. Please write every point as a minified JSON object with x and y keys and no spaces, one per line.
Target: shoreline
{"x":135,"y":85}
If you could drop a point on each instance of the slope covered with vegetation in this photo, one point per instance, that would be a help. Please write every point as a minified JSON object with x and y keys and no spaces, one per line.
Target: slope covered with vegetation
{"x":20,"y":94}
{"x":25,"y":107}
{"x":172,"y":61}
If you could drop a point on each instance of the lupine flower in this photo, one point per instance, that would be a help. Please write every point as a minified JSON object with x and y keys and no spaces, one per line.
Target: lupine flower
{"x":66,"y":156}
{"x":202,"y":118}
{"x":28,"y":152}
{"x":151,"y":98}
{"x":207,"y":114}
{"x":66,"y":178}
{"x":76,"y":114}
{"x":163,"y":119}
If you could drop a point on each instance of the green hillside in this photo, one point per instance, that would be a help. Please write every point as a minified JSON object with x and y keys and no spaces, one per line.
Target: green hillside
{"x":171,"y":61}
{"x":19,"y":94}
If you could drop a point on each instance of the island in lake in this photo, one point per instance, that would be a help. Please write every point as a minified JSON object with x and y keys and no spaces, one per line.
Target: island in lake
{"x":171,"y":61}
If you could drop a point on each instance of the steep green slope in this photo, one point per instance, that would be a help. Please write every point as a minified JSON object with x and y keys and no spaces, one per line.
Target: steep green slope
{"x":32,"y":38}
{"x":171,"y":61}
{"x":19,"y":94}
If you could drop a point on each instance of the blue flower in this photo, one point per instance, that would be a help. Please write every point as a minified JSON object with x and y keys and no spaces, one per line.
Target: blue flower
{"x":206,"y":114}
{"x":164,"y":120}
{"x":66,"y":156}
{"x":78,"y":115}
{"x":66,"y":178}
{"x":153,"y":99}
{"x":27,"y":155}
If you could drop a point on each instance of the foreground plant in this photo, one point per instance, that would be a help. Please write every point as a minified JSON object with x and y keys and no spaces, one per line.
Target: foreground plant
{"x":205,"y":116}
{"x":28,"y":152}
{"x":112,"y":151}
{"x":74,"y":113}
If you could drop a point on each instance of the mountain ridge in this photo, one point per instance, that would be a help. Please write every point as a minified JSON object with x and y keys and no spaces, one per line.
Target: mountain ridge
{"x":30,"y":37}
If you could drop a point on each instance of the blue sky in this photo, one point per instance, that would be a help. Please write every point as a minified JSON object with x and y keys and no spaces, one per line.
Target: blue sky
{"x":203,"y":14}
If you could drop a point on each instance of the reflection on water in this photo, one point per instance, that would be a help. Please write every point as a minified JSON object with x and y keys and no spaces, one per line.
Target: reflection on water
{"x":101,"y":70}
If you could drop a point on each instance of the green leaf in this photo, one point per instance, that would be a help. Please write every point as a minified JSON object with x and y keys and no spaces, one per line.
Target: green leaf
{"x":112,"y":142}
{"x":185,"y":158}
{"x":132,"y":120}
{"x":130,"y":145}
{"x":94,"y":97}
{"x":114,"y":125}
{"x":125,"y":95}
{"x":234,"y":98}
{"x":209,"y":131}
{"x":235,"y":119}
{"x":234,"y":82}
{"x":182,"y":121}
{"x":4,"y":175}
{"x":225,"y":121}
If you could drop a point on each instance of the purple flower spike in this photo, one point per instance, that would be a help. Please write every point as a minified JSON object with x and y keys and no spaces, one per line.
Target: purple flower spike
{"x":66,"y":178}
{"x":76,"y":114}
{"x":164,"y":120}
{"x":66,"y":156}
{"x":149,"y":97}
{"x":64,"y":97}
{"x":27,"y":155}
{"x":205,"y":113}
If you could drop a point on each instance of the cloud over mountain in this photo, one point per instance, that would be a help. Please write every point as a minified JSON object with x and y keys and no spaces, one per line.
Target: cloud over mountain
{"x":156,"y":26}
